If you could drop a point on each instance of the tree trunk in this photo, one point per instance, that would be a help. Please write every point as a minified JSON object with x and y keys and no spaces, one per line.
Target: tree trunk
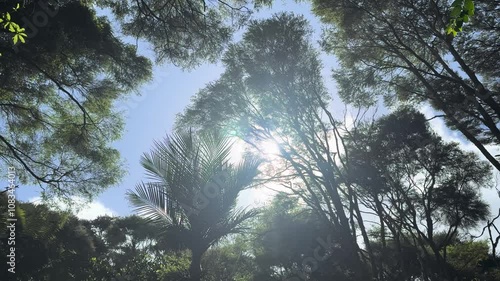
{"x":195,"y":267}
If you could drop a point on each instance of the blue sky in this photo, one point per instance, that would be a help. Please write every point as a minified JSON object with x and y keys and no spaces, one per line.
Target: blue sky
{"x":151,"y":116}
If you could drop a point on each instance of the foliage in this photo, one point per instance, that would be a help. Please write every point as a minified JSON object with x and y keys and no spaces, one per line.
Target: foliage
{"x":55,"y":245}
{"x":229,"y":262}
{"x":50,"y":245}
{"x":11,"y":27}
{"x":461,"y":12}
{"x":467,"y":256}
{"x":141,"y":266}
{"x":273,"y":52}
{"x":56,"y":101}
{"x":184,"y":33}
{"x":130,"y":249}
{"x":398,"y":50}
{"x":290,"y":238}
{"x":415,"y":182}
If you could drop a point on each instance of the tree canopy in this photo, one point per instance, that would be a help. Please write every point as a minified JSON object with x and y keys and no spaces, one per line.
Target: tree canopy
{"x":57,"y":95}
{"x":395,"y":168}
{"x":185,"y":33}
{"x":364,"y":195}
{"x":399,"y":50}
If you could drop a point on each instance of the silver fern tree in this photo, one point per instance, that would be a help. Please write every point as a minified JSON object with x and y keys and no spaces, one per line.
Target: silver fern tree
{"x":192,"y":191}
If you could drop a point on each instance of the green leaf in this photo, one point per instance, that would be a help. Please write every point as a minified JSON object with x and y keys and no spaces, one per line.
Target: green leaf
{"x":455,"y":12}
{"x":465,"y":18}
{"x":7,"y":16}
{"x":469,"y":7}
{"x":15,"y":38}
{"x":451,"y":29}
{"x":450,"y":25}
{"x":21,"y":37}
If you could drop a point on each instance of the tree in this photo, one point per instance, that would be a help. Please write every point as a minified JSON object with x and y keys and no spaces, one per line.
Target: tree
{"x":56,"y":101}
{"x":290,"y":242}
{"x":55,"y":245}
{"x":467,"y":256}
{"x":193,"y":191}
{"x":50,"y":245}
{"x":230,"y":261}
{"x":272,"y":90}
{"x":399,"y":50}
{"x":131,"y":249}
{"x":185,"y":33}
{"x":418,"y":185}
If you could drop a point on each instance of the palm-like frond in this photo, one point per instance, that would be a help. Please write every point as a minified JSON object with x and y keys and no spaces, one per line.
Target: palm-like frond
{"x":150,"y":202}
{"x":181,"y":167}
{"x":215,"y":152}
{"x":231,"y":224}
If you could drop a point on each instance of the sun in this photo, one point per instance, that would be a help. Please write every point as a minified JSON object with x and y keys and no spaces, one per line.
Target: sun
{"x":269,"y":148}
{"x":237,"y":150}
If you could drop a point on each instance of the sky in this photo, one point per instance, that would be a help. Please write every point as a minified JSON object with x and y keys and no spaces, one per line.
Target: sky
{"x":151,"y":116}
